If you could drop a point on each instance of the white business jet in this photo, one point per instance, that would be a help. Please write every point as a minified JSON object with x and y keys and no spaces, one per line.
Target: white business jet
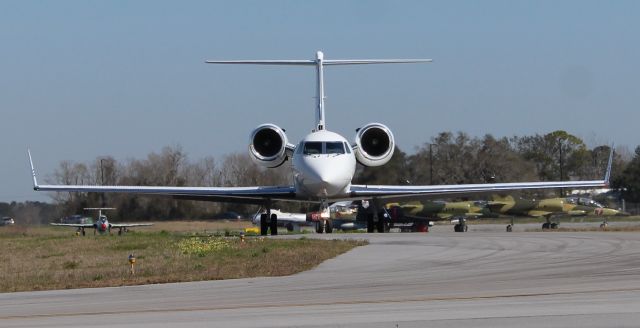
{"x":323,"y":162}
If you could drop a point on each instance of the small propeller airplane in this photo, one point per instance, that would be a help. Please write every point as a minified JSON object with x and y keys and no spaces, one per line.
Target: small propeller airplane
{"x":102,"y":224}
{"x":323,"y":163}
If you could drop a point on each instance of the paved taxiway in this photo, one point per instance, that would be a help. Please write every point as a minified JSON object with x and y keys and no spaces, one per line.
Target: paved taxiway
{"x":438,"y":279}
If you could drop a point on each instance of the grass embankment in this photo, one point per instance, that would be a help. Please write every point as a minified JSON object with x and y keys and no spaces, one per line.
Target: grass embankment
{"x":43,"y":258}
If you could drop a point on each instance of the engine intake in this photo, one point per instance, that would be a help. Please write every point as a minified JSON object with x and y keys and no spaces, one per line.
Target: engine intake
{"x":375,"y":144}
{"x":267,"y":145}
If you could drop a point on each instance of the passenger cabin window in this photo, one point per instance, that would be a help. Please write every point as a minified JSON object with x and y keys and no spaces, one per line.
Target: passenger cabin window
{"x":335,"y":148}
{"x":312,"y":148}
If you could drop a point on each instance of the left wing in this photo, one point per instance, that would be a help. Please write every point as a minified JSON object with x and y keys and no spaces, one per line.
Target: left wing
{"x":385,"y":191}
{"x":75,"y":225}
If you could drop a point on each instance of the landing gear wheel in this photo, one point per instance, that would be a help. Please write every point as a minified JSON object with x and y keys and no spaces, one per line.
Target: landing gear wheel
{"x":382,"y":226}
{"x":545,"y":226}
{"x":328,"y":227}
{"x":509,"y":228}
{"x":371,"y":226}
{"x":274,"y":225}
{"x":320,"y":226}
{"x":264,"y":225}
{"x":604,"y":225}
{"x":553,"y":225}
{"x":460,"y":228}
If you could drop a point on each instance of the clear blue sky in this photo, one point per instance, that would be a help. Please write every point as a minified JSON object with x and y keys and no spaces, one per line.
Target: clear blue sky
{"x":81,"y":79}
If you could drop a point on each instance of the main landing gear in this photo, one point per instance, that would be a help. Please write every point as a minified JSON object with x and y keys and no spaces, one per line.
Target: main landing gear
{"x":549,"y":225}
{"x":510,"y":226}
{"x":605,"y":224}
{"x":268,"y":221}
{"x":461,"y":226}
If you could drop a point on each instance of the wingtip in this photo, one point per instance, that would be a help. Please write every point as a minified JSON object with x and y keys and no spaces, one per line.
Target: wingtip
{"x":607,"y":175}
{"x":33,"y":171}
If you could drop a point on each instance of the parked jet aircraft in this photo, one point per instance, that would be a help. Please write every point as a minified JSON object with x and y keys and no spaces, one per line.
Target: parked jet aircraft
{"x":421,"y":212}
{"x":549,"y":208}
{"x":102,"y":224}
{"x":323,"y":162}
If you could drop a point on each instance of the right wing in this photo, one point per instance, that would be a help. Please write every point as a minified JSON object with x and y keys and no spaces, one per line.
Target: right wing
{"x":253,"y":195}
{"x":129,"y":225}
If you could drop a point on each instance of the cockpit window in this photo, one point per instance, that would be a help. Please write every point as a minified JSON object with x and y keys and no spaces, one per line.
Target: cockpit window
{"x":335,"y":148}
{"x":347,"y":147}
{"x":312,"y":148}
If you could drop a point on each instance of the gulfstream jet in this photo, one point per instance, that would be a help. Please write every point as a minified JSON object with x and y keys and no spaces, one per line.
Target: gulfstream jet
{"x":323,"y":162}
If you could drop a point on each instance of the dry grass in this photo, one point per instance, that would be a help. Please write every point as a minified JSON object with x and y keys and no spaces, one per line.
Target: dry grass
{"x":198,"y":226}
{"x":43,"y":258}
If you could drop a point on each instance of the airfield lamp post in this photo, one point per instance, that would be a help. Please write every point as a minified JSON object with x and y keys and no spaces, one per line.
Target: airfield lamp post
{"x":132,"y":262}
{"x":561,"y":173}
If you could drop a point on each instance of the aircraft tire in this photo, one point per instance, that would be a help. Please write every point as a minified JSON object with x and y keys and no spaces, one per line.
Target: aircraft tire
{"x":320,"y":227}
{"x":328,"y":228}
{"x":465,"y":228}
{"x":604,"y":225}
{"x":509,"y":228}
{"x":273,"y":224}
{"x":370,"y":223}
{"x":553,"y":226}
{"x":545,"y":226}
{"x":456,"y":228}
{"x":83,"y":233}
{"x":264,"y":226}
{"x":380,"y":225}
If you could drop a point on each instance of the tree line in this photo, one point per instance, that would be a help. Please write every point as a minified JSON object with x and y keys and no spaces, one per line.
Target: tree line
{"x":448,"y":158}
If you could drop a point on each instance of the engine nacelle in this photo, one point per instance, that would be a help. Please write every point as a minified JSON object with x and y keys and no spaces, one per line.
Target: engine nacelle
{"x":375,"y":144}
{"x":268,"y":145}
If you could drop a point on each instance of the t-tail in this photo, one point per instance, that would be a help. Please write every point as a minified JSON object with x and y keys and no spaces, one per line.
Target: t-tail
{"x":319,"y":62}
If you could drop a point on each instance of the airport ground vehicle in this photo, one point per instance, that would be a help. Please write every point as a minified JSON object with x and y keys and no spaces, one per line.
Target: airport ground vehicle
{"x":7,"y":221}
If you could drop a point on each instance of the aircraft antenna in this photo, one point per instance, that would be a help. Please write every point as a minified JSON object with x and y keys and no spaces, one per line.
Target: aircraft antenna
{"x":320,"y":62}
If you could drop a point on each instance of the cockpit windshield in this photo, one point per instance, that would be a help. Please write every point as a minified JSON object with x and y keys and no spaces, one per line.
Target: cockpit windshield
{"x":312,"y":148}
{"x":335,"y":147}
{"x":584,"y":201}
{"x":318,"y":147}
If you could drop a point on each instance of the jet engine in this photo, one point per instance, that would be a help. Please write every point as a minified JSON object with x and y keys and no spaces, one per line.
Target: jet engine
{"x":374,"y":144}
{"x":267,"y":145}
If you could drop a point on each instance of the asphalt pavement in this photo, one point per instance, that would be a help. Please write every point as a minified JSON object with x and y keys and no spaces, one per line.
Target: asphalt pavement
{"x":484,"y":278}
